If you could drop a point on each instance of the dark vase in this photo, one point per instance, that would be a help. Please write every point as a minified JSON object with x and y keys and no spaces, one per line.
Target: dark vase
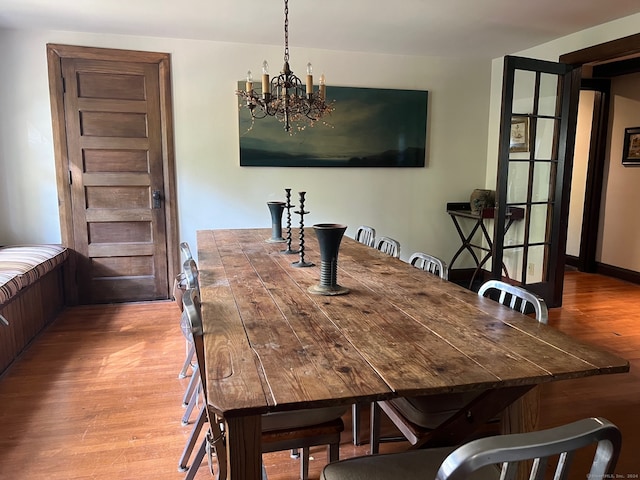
{"x":276,"y":209}
{"x":329,"y":237}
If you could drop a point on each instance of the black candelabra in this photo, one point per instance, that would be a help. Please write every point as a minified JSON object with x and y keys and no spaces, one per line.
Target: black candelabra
{"x":302,"y":213}
{"x":288,"y":207}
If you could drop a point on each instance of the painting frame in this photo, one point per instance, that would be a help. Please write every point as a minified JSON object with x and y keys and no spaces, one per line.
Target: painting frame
{"x":519,"y":134}
{"x":368,"y":127}
{"x":631,"y":147}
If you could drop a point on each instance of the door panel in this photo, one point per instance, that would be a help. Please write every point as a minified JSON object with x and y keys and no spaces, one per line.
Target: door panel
{"x":539,"y":111}
{"x":113,"y":134}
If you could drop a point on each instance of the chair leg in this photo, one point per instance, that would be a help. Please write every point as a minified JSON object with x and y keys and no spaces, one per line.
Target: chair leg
{"x":304,"y":464}
{"x":216,"y":448}
{"x":192,"y":403}
{"x":355,"y":422}
{"x":334,"y":452}
{"x":197,"y":461}
{"x":193,"y":383}
{"x":191,"y":442}
{"x":374,"y":439}
{"x":187,"y":361}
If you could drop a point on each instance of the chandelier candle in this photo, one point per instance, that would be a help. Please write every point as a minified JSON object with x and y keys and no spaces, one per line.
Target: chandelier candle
{"x":249,"y":83}
{"x":309,"y":80}
{"x":265,"y":78}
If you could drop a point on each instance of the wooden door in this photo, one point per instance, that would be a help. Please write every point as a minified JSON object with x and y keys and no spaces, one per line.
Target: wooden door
{"x":534,"y":173}
{"x":116,"y":215}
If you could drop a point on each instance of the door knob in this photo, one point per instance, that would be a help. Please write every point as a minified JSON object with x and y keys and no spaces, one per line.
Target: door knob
{"x":157,"y":199}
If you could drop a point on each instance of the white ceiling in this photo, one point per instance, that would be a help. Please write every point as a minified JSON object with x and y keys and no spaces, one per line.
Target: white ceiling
{"x":478,"y":28}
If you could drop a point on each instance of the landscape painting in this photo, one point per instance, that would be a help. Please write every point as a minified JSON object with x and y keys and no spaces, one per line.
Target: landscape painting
{"x":369,"y":127}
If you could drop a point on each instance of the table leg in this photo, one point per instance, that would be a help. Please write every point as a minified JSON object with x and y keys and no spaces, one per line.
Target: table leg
{"x":520,"y":417}
{"x":244,"y":448}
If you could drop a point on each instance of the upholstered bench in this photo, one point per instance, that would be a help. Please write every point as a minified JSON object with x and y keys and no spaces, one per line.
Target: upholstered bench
{"x":31,"y":294}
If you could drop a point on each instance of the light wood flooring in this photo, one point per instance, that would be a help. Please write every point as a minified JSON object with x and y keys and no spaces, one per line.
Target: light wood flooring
{"x":97,"y":395}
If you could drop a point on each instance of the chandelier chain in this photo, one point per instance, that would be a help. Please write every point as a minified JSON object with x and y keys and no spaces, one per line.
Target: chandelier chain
{"x":286,"y":31}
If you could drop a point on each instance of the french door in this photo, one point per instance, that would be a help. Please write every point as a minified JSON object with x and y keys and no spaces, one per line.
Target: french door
{"x":537,"y":135}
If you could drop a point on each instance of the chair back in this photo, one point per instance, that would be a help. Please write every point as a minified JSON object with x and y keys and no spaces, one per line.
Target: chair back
{"x":186,"y":251}
{"x":191,"y":274}
{"x":192,"y":319}
{"x":430,"y":264}
{"x":542,"y":447}
{"x":389,"y":246}
{"x":366,"y":235}
{"x":179,"y":287}
{"x":517,"y":298}
{"x":180,"y":283}
{"x":188,"y":278}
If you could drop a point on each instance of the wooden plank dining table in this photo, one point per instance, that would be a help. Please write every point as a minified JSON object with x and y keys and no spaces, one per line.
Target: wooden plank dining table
{"x":270,"y":345}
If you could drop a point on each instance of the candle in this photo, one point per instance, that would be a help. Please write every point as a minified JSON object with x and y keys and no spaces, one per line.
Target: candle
{"x":323,"y":87}
{"x":248,"y":86}
{"x":265,"y":78}
{"x":309,"y":79}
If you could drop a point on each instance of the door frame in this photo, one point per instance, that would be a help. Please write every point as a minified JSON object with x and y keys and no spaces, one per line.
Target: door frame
{"x":586,"y":261}
{"x":605,"y":60}
{"x":55,"y":54}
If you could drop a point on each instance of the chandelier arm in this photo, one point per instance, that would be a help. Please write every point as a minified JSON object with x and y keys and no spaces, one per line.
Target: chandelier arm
{"x":258,"y":113}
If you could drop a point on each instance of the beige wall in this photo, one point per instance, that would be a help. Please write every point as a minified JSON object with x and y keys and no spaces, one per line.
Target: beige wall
{"x":579,"y":177}
{"x":213,"y":191}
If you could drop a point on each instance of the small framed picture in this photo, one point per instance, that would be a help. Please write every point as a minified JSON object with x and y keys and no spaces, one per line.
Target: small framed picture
{"x":519,"y":139}
{"x":631,"y":148}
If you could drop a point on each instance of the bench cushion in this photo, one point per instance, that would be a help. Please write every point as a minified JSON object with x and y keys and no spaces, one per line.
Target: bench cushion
{"x":22,"y":265}
{"x":9,"y":285}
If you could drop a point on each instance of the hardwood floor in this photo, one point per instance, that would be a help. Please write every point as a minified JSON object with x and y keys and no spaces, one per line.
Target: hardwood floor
{"x":97,"y":395}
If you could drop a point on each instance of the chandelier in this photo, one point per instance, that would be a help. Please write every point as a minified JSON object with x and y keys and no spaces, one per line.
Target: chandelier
{"x":285,"y":97}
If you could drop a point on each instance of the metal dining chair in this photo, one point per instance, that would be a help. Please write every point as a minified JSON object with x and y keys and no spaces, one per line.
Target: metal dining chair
{"x":430,"y":264}
{"x":516,"y":298}
{"x":497,"y":457}
{"x":297,"y":429}
{"x":366,"y":235}
{"x":179,"y":286}
{"x":416,"y":416}
{"x":389,"y":246}
{"x":192,"y":392}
